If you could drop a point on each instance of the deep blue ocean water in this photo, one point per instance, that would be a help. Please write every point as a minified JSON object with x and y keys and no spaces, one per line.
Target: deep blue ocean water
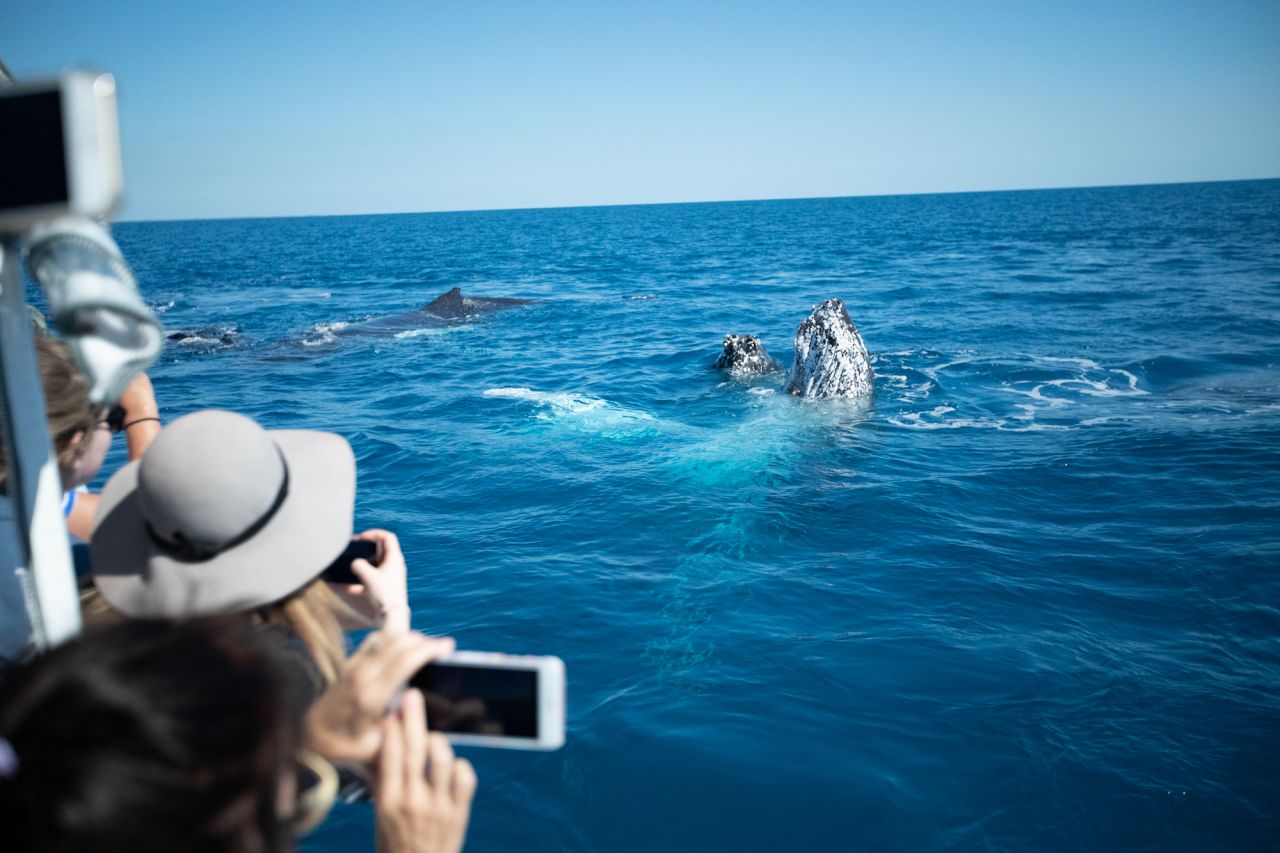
{"x":1028,"y":598}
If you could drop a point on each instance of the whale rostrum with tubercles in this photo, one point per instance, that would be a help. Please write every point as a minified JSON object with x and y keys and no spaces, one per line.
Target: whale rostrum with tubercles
{"x":831,"y":359}
{"x":744,"y":356}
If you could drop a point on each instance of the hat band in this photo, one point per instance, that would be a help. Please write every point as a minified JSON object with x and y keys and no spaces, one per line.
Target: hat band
{"x":183,"y":548}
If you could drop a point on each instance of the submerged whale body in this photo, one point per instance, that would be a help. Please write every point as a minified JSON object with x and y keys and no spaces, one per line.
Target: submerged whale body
{"x":446,"y":309}
{"x":831,"y":359}
{"x":205,"y":337}
{"x":744,"y":355}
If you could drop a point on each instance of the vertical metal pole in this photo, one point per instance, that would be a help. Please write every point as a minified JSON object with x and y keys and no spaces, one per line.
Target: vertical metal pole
{"x":42,"y":556}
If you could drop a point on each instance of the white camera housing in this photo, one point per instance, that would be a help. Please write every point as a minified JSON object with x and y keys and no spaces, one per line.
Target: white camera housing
{"x":61,"y":138}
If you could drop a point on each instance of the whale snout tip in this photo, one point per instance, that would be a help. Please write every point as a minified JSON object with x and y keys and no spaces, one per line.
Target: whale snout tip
{"x":831,"y":359}
{"x":833,"y":307}
{"x":744,"y":355}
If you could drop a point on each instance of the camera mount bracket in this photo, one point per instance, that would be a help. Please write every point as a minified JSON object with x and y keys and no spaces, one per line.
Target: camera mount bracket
{"x":37,"y":578}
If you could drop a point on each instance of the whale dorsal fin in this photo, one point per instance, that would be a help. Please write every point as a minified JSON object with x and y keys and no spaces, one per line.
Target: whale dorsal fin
{"x":447,"y":305}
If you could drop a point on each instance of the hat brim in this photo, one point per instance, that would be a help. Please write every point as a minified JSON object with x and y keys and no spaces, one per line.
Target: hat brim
{"x":137,"y":577}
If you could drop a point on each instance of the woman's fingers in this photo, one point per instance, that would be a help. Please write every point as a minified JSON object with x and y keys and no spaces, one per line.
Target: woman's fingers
{"x":406,"y":653}
{"x":367,"y":573}
{"x":439,"y":764}
{"x":388,"y":543}
{"x":423,"y":798}
{"x":464,"y":782}
{"x":391,"y":770}
{"x":386,"y":661}
{"x":414,"y":716}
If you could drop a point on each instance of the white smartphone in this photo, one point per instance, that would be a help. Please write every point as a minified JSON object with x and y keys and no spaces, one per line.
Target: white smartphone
{"x":60,"y":145}
{"x":490,"y":699}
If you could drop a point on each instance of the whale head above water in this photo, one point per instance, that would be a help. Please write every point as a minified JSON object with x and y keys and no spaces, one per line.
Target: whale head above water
{"x":831,"y":359}
{"x":744,"y":355}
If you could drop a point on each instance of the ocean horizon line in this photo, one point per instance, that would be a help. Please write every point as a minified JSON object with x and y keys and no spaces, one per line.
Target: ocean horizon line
{"x":692,"y":202}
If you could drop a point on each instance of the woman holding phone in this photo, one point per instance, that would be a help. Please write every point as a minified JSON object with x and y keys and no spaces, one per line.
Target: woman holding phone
{"x":151,"y":735}
{"x":222,"y":516}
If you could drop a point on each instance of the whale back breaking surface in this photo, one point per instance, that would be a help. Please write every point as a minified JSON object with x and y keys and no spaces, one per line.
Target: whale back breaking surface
{"x":831,"y":359}
{"x":445,"y":310}
{"x":454,"y":306}
{"x":744,"y":355}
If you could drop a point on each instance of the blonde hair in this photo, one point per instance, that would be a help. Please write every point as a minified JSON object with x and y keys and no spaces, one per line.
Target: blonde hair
{"x":66,"y":403}
{"x":312,"y":613}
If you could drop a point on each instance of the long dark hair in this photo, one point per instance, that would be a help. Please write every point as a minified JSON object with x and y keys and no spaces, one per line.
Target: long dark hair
{"x":66,"y":403}
{"x":149,"y":735}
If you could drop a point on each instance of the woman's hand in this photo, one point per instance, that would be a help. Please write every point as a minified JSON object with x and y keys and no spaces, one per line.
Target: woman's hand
{"x":345,"y":725}
{"x":383,"y":595}
{"x":422,"y":794}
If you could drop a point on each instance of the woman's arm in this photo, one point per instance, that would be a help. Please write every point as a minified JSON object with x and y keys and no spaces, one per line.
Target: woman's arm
{"x":80,"y":520}
{"x":141,"y":415}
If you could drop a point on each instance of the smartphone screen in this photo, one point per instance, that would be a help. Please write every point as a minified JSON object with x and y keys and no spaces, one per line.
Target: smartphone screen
{"x":480,"y":700}
{"x":32,"y":148}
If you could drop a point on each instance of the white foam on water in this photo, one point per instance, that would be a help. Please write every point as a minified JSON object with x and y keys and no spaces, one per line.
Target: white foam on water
{"x":210,"y":337}
{"x":920,"y":391}
{"x":557,"y":399}
{"x":426,"y":332}
{"x":324,"y":333}
{"x":1114,"y":382}
{"x":582,"y":412}
{"x":937,"y":418}
{"x":196,"y":341}
{"x":1087,"y":363}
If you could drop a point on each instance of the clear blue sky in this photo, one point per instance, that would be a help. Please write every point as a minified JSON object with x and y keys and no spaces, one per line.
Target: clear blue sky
{"x":281,"y":108}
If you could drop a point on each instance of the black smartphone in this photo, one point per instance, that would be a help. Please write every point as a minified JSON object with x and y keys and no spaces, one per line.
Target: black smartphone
{"x":339,"y":570}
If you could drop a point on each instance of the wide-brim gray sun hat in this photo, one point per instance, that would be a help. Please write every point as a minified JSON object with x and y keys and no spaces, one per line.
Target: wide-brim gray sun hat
{"x":222,"y":516}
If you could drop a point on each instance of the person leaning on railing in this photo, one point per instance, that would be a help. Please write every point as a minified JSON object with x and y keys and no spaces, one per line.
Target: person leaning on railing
{"x":81,"y":431}
{"x":224,"y":517}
